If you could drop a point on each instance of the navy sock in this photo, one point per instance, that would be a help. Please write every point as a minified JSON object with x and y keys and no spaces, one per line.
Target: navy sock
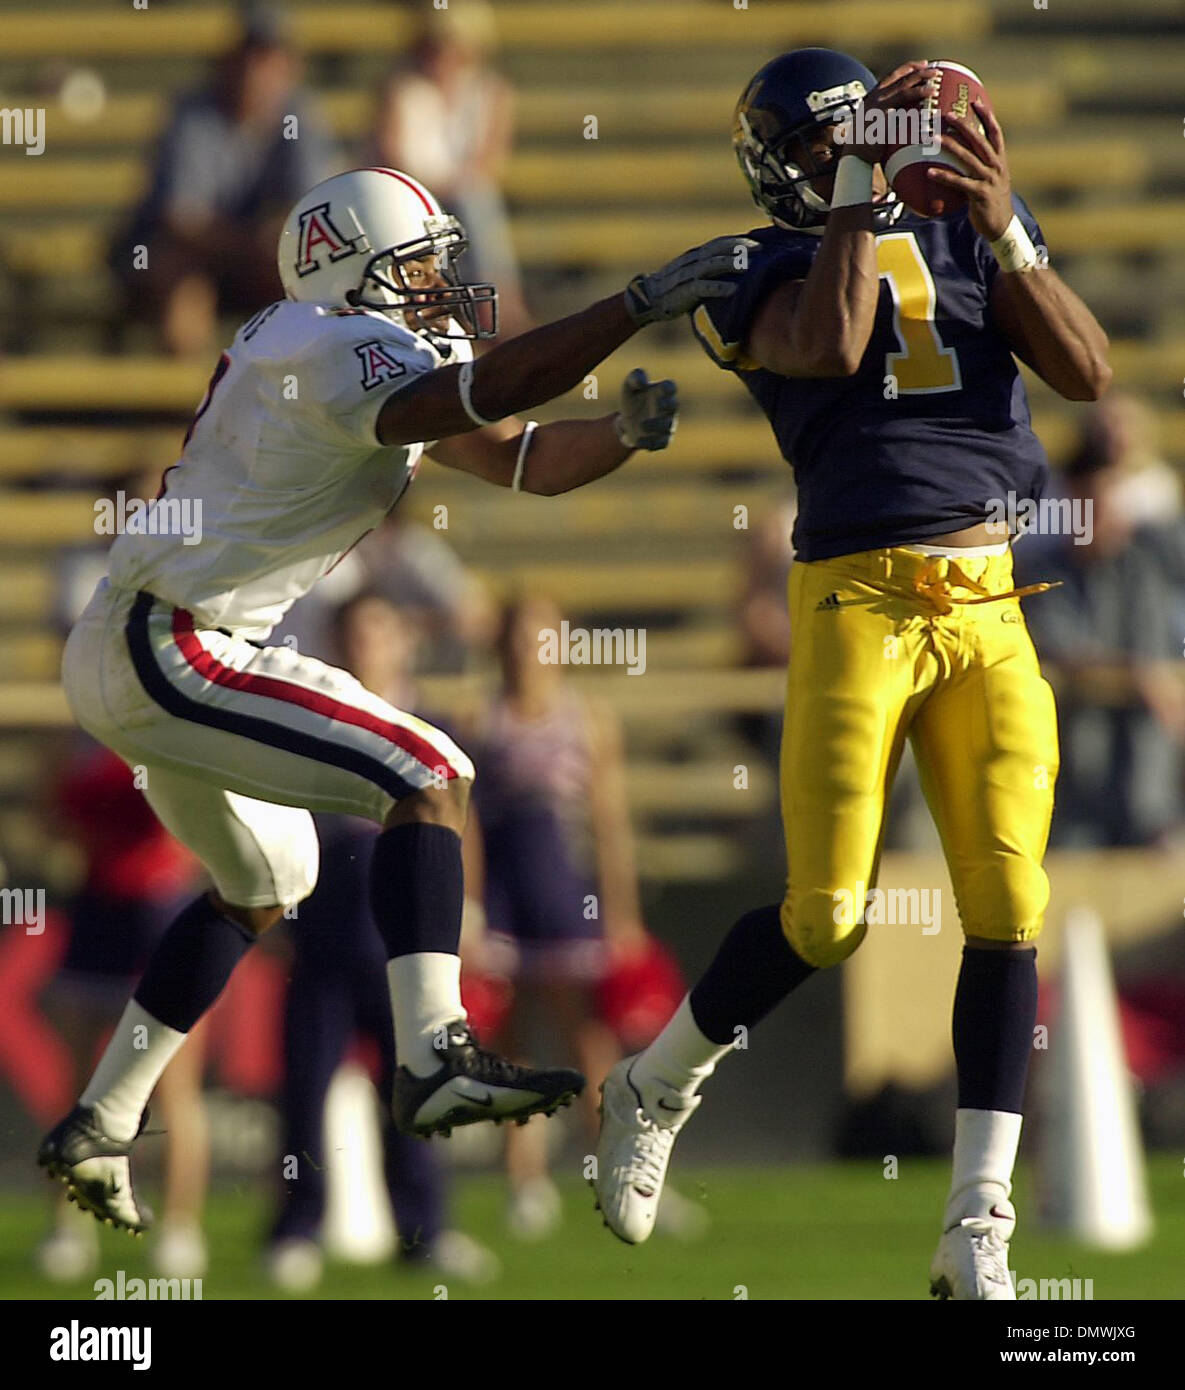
{"x":417,"y":889}
{"x":191,"y":965}
{"x":754,"y":970}
{"x":995,"y":1010}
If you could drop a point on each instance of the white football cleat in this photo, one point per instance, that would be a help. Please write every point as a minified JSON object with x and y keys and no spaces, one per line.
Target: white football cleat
{"x":971,"y":1262}
{"x":633,"y":1152}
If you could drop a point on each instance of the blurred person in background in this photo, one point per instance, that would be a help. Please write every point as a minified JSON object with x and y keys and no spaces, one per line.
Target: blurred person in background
{"x":415,"y":568}
{"x":338,"y":993}
{"x":447,"y":118}
{"x":1112,"y":635}
{"x":1123,"y":428}
{"x":135,"y":879}
{"x":563,"y":916}
{"x":764,"y":619}
{"x":235,"y":155}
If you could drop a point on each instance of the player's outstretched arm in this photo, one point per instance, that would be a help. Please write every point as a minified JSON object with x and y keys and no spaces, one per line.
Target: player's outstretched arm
{"x":566,"y":454}
{"x":1050,"y":328}
{"x":538,"y":366}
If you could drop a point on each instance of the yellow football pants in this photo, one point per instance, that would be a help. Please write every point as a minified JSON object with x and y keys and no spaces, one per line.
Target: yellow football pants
{"x":888,"y":644}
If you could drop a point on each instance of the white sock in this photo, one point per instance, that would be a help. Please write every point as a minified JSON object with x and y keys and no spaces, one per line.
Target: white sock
{"x":140,"y":1049}
{"x":679,"y":1060}
{"x":985,"y":1154}
{"x":425,"y":995}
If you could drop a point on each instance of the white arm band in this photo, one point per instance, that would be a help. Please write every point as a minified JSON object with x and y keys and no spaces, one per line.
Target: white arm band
{"x":528,"y":430}
{"x":853,"y":183}
{"x":1015,"y":249}
{"x":465,"y":384}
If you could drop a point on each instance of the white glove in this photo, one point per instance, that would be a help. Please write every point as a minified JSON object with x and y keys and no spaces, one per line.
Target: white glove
{"x":685,"y":282}
{"x":649,"y":412}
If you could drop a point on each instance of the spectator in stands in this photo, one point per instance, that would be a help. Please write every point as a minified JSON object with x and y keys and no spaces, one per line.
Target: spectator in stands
{"x":338,"y":992}
{"x":764,"y":617}
{"x":414,"y":567}
{"x":136,"y":879}
{"x":1111,"y":637}
{"x":234,"y":157}
{"x":560,"y":883}
{"x":447,"y":118}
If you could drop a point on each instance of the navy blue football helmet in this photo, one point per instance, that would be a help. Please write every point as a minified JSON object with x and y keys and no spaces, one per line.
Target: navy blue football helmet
{"x":776,"y":119}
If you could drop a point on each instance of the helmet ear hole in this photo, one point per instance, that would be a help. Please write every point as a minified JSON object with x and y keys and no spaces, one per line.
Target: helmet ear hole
{"x":352,"y":297}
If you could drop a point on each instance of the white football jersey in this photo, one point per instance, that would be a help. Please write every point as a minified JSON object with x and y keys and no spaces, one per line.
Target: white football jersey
{"x":281,"y":472}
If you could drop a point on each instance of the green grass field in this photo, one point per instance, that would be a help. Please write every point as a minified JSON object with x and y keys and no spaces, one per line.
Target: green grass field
{"x":840,"y":1231}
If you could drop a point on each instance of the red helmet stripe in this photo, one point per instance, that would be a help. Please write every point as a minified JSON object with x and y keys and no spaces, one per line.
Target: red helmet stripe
{"x":403,"y":179}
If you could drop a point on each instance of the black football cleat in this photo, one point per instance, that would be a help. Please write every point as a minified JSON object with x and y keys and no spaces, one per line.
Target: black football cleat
{"x":96,"y":1169}
{"x":472,"y":1085}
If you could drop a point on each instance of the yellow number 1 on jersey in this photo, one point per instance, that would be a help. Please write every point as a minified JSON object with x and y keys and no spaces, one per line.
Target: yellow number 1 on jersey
{"x":923,"y":364}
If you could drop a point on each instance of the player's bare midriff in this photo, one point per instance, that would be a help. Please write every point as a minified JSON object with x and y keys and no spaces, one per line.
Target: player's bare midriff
{"x":982,"y":534}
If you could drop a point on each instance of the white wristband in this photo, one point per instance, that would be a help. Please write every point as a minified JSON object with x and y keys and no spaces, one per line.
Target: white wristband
{"x":1015,"y":250}
{"x":528,"y":430}
{"x":465,"y":385}
{"x":853,"y":183}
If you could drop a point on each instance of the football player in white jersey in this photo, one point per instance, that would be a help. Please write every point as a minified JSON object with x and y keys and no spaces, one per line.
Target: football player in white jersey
{"x":310,"y":431}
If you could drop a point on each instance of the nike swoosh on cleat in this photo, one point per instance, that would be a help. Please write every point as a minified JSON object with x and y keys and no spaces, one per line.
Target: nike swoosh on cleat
{"x":485,"y":1101}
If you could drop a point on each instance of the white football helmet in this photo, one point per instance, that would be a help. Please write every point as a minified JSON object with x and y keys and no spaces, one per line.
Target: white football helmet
{"x":348,"y":239}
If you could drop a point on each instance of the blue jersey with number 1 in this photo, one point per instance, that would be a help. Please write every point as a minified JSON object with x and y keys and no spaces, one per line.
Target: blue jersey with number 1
{"x":934,"y":425}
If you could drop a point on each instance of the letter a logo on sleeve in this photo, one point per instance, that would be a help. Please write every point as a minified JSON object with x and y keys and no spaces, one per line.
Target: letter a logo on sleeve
{"x":319,"y":231}
{"x":379,"y":364}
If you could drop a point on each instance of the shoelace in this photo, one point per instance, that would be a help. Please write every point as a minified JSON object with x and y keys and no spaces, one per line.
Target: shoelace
{"x":488,"y":1066}
{"x":989,"y":1256}
{"x":649,"y":1153}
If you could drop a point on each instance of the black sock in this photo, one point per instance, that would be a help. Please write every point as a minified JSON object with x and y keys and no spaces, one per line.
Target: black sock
{"x":191,"y":965}
{"x":754,"y":970}
{"x":417,"y":889}
{"x":995,"y":1010}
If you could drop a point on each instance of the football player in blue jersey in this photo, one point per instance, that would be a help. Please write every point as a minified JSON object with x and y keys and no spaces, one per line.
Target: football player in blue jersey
{"x":882,"y":346}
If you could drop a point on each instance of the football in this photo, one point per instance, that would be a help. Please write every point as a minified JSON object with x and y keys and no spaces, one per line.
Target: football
{"x":909,"y":165}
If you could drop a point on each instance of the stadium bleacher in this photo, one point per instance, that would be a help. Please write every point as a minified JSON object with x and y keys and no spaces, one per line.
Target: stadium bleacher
{"x":1102,"y":162}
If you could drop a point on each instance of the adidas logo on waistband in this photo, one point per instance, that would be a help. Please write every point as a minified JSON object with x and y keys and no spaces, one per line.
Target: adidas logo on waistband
{"x":831,"y":601}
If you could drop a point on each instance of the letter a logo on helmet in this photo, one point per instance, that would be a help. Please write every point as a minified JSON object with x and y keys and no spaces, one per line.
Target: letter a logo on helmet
{"x":317,"y":230}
